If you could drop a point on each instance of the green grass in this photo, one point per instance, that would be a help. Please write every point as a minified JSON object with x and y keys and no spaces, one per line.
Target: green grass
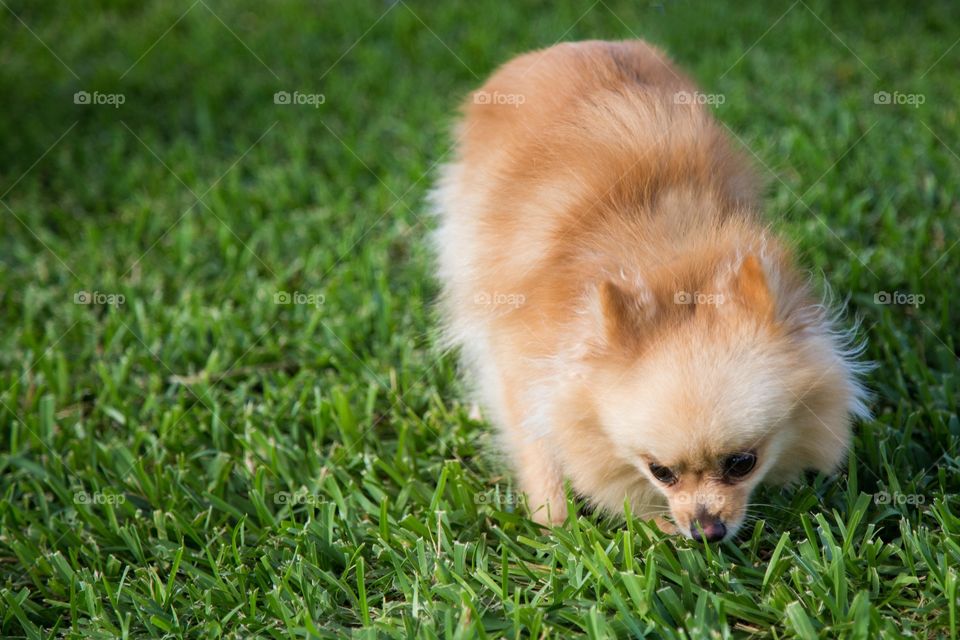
{"x":201,"y":461}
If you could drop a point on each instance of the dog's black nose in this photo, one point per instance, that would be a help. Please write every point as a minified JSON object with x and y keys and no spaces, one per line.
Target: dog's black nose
{"x":713,"y":530}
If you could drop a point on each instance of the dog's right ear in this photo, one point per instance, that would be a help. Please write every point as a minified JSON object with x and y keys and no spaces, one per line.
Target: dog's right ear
{"x":626,"y":313}
{"x":751,"y":288}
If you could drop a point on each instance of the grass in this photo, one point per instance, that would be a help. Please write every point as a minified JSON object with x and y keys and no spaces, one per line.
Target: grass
{"x":184,"y":456}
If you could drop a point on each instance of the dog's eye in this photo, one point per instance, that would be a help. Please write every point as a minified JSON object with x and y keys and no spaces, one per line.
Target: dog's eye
{"x":738,"y":465}
{"x":662,"y":473}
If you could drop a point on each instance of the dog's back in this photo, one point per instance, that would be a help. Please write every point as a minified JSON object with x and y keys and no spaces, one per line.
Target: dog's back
{"x":558,"y":145}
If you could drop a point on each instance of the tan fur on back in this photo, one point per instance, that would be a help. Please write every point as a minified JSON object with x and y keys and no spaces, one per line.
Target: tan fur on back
{"x":614,"y":291}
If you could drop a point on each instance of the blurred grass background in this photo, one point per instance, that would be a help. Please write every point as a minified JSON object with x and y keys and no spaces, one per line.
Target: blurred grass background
{"x":200,"y":460}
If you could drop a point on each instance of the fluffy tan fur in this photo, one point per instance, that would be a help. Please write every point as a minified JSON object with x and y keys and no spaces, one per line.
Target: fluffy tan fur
{"x":617,"y":300}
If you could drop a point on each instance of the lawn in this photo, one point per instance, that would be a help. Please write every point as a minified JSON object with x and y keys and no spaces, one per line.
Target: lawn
{"x":223,"y":411}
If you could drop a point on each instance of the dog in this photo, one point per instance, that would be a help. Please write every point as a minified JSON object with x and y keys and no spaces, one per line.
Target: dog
{"x":626,"y":318}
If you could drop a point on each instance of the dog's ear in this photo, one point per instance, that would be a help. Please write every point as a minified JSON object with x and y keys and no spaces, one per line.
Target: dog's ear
{"x":625,"y":313}
{"x":752,"y":290}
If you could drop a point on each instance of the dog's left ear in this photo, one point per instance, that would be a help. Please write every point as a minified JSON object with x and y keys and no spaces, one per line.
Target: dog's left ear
{"x":751,"y":289}
{"x":625,"y":313}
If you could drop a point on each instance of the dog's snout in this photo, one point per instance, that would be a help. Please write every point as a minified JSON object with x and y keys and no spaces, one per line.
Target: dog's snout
{"x":713,"y":530}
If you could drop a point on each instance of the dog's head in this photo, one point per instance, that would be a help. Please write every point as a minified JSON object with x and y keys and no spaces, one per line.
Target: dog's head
{"x":707,"y":393}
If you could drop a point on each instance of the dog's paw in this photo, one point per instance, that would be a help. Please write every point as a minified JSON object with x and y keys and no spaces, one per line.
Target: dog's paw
{"x":475,"y":414}
{"x":548,"y":512}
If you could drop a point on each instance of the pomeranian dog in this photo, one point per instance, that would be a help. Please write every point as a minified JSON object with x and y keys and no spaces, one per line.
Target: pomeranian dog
{"x":629,"y":323}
